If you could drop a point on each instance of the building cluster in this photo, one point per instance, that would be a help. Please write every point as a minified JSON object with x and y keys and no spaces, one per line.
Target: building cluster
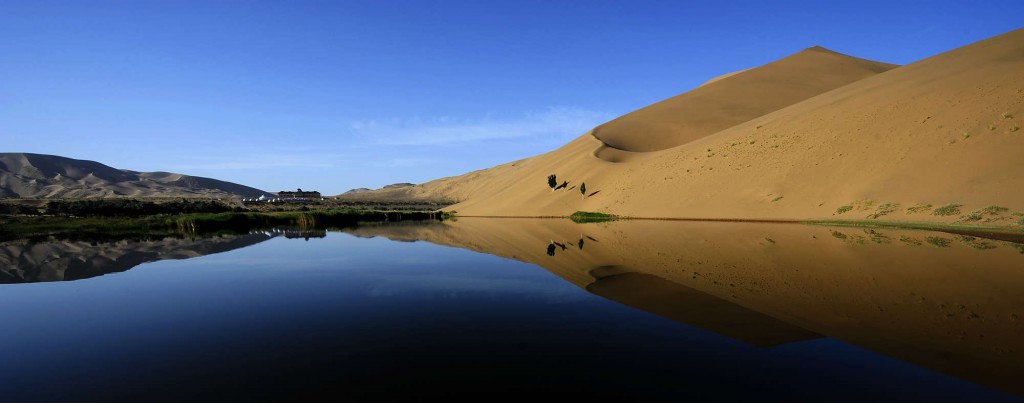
{"x":285,"y":196}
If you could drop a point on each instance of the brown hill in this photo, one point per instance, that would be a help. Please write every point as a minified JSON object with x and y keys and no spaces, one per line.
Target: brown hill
{"x":50,"y":176}
{"x":938,"y":140}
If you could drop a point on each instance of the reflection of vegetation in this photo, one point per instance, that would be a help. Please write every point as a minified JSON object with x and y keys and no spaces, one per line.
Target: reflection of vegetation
{"x":877,"y":237}
{"x":939,"y":241}
{"x":1017,"y":246}
{"x":910,"y":241}
{"x":591,"y":217}
{"x":976,"y":243}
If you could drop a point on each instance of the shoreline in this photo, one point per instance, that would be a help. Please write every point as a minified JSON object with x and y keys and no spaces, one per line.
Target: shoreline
{"x":1001,"y":233}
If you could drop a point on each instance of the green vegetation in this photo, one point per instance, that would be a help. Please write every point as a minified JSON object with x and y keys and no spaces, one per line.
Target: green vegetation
{"x":884,"y":209}
{"x":133,"y":207}
{"x":989,"y":214}
{"x":920,"y":207}
{"x":947,"y":210}
{"x":581,"y":217}
{"x":838,"y":235}
{"x":202,"y":223}
{"x":843,"y":209}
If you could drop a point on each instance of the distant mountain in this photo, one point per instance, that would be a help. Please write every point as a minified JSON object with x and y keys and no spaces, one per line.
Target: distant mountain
{"x":392,"y":191}
{"x":51,"y":176}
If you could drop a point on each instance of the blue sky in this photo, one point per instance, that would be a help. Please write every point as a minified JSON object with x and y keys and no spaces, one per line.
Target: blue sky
{"x":334,"y":95}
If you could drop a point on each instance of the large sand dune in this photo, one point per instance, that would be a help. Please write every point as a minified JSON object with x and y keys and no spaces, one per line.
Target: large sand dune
{"x":50,"y":176}
{"x":789,"y":140}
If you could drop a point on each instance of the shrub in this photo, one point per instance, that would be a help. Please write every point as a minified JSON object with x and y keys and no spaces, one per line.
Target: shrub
{"x":947,"y":210}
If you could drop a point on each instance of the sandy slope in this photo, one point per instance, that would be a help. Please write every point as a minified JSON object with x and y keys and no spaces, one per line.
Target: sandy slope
{"x":50,"y":176}
{"x":944,"y":130}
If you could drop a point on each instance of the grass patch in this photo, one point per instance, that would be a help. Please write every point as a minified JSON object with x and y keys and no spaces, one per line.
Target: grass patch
{"x":989,"y":214}
{"x":884,"y":209}
{"x":581,"y":217}
{"x":838,"y":235}
{"x":920,"y":207}
{"x":947,"y":210}
{"x":843,"y":209}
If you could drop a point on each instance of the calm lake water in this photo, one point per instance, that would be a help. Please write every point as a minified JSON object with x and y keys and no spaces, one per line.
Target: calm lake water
{"x":499,"y":308}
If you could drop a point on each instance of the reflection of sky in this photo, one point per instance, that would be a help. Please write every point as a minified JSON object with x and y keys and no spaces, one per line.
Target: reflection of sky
{"x":379,"y":267}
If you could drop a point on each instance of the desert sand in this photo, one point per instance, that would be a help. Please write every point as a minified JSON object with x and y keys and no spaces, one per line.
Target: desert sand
{"x":816,"y":135}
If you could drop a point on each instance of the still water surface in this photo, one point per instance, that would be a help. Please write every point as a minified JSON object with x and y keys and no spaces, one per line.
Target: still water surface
{"x":488,"y":309}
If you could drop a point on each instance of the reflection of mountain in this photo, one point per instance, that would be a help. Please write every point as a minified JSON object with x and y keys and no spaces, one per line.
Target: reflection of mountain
{"x":24,"y":261}
{"x":942,"y":301}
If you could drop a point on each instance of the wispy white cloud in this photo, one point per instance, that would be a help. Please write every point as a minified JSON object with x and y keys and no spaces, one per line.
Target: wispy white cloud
{"x":243,"y":161}
{"x":561,"y":123}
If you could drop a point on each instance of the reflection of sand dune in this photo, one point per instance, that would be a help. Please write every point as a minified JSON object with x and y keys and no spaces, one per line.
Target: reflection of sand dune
{"x":943,"y":301}
{"x":23,"y":261}
{"x":686,"y":305}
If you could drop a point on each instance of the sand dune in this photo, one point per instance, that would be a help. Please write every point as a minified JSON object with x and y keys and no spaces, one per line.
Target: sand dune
{"x":938,"y":140}
{"x":734,"y":98}
{"x":50,"y":176}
